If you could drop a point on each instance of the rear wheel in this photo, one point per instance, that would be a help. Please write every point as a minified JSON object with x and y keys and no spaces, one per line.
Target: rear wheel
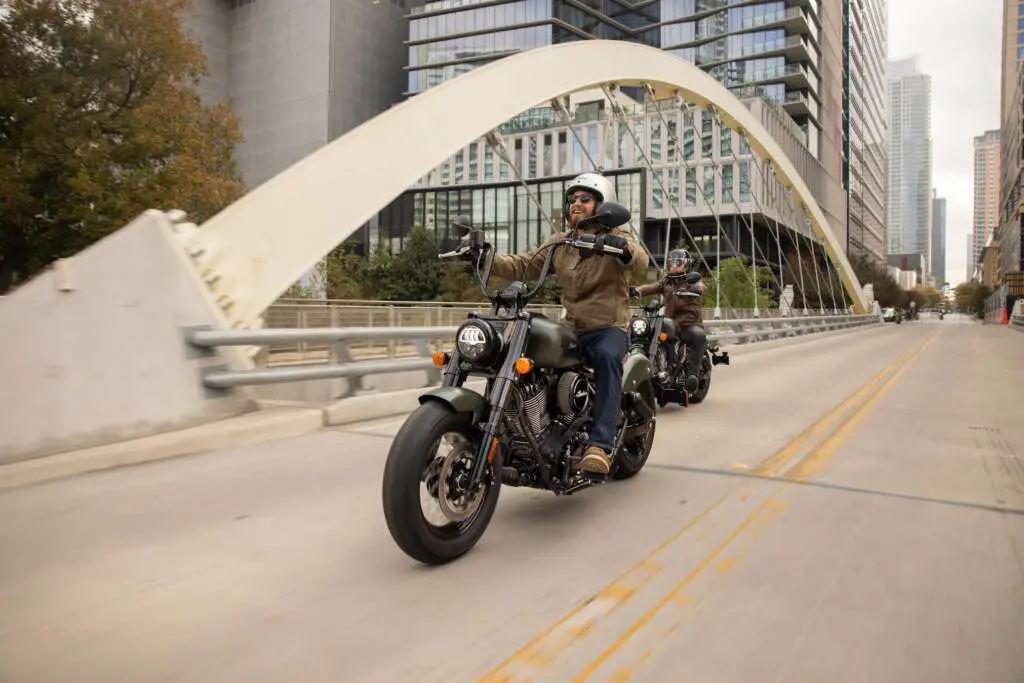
{"x":703,"y":381}
{"x":429,"y":512}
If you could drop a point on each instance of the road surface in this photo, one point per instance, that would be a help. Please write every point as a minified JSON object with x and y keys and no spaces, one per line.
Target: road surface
{"x":844,"y":509}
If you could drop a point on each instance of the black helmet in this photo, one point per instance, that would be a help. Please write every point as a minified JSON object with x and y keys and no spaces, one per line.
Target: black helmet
{"x":678,"y":257}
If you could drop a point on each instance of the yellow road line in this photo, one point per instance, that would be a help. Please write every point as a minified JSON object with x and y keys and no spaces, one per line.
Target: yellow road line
{"x":815,"y":460}
{"x":577,"y":623}
{"x":804,"y":468}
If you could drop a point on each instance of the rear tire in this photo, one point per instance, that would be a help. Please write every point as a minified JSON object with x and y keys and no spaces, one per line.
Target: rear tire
{"x":411,"y":452}
{"x":703,"y":382}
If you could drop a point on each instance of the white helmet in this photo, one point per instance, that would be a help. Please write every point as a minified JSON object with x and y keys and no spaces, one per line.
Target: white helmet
{"x":594,"y":182}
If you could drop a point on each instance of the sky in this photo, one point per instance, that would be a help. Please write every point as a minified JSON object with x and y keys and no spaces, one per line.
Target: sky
{"x":959,"y":43}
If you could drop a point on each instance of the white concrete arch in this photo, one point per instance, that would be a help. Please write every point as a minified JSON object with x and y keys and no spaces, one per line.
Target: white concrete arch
{"x":254,"y":249}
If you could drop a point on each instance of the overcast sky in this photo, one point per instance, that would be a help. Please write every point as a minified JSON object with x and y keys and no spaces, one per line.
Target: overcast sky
{"x":959,"y":44}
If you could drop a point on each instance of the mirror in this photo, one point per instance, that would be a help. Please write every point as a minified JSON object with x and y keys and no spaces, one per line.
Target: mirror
{"x":609,"y":215}
{"x":461,"y":224}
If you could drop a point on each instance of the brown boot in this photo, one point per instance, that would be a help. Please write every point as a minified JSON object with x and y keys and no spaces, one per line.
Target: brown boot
{"x":595,"y":460}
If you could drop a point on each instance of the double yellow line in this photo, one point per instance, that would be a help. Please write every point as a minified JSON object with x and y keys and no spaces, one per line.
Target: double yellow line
{"x":829,"y":432}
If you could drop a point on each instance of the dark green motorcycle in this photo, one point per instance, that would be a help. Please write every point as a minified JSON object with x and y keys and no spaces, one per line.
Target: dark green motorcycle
{"x":529,"y":427}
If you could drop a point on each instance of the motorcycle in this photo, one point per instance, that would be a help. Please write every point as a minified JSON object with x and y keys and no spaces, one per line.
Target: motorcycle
{"x":669,"y":382}
{"x":530,"y":425}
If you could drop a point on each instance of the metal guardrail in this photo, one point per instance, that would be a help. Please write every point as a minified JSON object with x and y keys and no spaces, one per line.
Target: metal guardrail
{"x":1017,"y":319}
{"x":745,"y":331}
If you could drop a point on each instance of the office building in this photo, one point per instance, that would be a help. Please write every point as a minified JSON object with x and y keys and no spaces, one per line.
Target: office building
{"x":865,"y":136}
{"x":938,"y":256}
{"x":1012,"y":51}
{"x":972,"y":262}
{"x":1008,"y":232}
{"x":785,"y":59}
{"x":986,"y":190}
{"x":910,"y":161}
{"x":300,"y":73}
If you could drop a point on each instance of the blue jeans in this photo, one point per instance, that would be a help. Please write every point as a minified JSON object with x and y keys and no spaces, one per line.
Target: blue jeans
{"x":602,"y":350}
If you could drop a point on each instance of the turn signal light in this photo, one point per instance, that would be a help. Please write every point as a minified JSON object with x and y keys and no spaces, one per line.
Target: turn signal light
{"x":440,"y":358}
{"x":662,"y":337}
{"x":523,"y":365}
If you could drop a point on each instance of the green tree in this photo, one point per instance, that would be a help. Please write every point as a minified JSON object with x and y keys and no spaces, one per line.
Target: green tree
{"x":100,"y":120}
{"x":376,"y":274}
{"x":340,"y":273}
{"x":459,"y":284}
{"x":887,"y":291}
{"x":737,"y":278}
{"x":416,"y":270}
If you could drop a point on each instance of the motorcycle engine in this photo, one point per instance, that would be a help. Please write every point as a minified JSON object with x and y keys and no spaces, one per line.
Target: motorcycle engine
{"x":533,"y":396}
{"x":572,"y":394}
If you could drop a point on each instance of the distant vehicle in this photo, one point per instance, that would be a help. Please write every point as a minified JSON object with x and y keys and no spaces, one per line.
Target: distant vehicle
{"x":891,"y":315}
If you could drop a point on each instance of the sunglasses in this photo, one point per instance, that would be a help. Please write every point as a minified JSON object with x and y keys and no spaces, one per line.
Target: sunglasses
{"x":582,"y":197}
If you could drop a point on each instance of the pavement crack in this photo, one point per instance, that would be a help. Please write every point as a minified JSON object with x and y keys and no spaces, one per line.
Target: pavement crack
{"x":840,"y":487}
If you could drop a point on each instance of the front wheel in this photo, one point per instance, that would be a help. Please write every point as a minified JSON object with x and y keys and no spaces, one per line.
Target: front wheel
{"x":428,"y":466}
{"x":636,"y":446}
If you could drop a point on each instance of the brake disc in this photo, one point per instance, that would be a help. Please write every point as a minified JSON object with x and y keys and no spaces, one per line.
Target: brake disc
{"x":462,"y":508}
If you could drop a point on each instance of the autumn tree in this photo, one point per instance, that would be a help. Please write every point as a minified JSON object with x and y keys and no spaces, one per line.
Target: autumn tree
{"x":99,"y":121}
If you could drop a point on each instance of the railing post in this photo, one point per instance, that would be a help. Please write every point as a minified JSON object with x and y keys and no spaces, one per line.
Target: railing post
{"x":344,"y":355}
{"x":433,"y":372}
{"x":392,"y":319}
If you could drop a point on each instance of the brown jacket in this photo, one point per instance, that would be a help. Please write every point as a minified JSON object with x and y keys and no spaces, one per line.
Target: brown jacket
{"x":680,"y":303}
{"x":595,"y":286}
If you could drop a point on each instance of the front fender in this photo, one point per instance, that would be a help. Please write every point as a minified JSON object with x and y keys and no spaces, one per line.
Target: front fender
{"x":460,"y":399}
{"x":635,"y":371}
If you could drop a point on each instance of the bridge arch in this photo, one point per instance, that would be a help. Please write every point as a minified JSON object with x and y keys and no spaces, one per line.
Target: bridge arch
{"x":254,"y":249}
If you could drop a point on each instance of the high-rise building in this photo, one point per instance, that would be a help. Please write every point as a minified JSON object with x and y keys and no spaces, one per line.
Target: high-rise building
{"x":972,"y":263}
{"x":789,"y":53}
{"x":866,"y":145}
{"x":1013,"y":50}
{"x":938,"y":256}
{"x":910,"y":160}
{"x":300,"y":73}
{"x":1008,"y":233}
{"x":986,"y":190}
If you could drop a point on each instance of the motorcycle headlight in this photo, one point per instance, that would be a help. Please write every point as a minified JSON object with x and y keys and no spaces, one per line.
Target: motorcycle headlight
{"x":640,"y":327}
{"x":478,"y":342}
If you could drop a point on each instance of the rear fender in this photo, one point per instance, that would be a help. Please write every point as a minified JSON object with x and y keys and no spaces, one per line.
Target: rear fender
{"x":635,"y":371}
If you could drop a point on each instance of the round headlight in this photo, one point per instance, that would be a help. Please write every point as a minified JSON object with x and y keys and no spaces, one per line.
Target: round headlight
{"x":477,"y":341}
{"x":640,"y":327}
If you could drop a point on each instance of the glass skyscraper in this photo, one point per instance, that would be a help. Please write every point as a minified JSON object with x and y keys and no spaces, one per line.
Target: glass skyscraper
{"x":864,"y":99}
{"x":775,"y":46}
{"x":910,"y":161}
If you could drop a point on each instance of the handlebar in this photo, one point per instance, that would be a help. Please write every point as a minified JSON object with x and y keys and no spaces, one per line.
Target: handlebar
{"x":473,"y":241}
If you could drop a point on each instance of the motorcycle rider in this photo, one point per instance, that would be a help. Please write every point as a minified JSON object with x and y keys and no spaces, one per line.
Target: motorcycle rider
{"x":596,"y":299}
{"x":683,"y":304}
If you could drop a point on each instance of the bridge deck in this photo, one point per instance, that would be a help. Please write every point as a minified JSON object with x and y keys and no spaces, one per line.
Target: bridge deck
{"x":876,"y":552}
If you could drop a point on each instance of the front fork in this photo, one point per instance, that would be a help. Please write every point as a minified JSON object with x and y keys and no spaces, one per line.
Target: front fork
{"x":497,"y":395}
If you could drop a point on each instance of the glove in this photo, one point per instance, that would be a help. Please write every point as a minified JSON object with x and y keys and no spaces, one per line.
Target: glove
{"x":471,"y":256}
{"x":615,"y":242}
{"x":633,"y":292}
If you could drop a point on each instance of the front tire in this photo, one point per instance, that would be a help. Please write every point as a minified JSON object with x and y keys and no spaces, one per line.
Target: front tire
{"x":411,"y":468}
{"x":634,"y":451}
